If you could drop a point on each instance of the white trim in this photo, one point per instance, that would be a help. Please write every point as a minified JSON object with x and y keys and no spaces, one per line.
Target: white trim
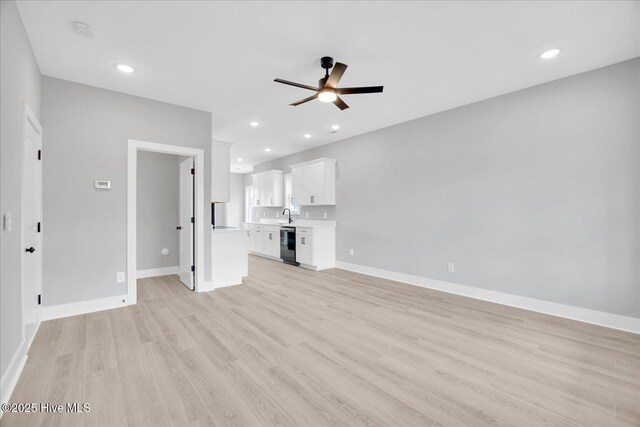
{"x":210,"y":286}
{"x":610,"y":320}
{"x":132,"y":166}
{"x":153,"y":272}
{"x":82,"y":307}
{"x":12,"y":374}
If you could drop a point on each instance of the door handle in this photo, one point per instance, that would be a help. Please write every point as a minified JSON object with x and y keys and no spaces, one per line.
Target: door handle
{"x":31,"y":250}
{"x":179,"y":227}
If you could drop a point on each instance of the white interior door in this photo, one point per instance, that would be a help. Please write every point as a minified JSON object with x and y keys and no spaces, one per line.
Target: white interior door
{"x":31,"y":223}
{"x":186,"y":225}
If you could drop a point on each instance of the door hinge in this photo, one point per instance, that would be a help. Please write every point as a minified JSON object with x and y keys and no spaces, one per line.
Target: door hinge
{"x":39,"y":299}
{"x":193,"y":268}
{"x":193,"y":220}
{"x":39,"y":154}
{"x":193,"y":171}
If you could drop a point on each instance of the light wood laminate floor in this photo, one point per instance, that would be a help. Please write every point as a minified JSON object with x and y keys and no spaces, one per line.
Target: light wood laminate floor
{"x":295,"y":347}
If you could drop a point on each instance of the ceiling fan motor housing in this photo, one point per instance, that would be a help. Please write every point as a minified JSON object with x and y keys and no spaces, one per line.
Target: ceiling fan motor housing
{"x":326,"y":62}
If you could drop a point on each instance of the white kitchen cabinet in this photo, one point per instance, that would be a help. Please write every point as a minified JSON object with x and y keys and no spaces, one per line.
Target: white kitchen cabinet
{"x":250,"y":242}
{"x":314,"y":183}
{"x":264,"y":239}
{"x":271,"y":242}
{"x":257,"y":240}
{"x":316,"y":247}
{"x":304,"y":249}
{"x":268,"y":189}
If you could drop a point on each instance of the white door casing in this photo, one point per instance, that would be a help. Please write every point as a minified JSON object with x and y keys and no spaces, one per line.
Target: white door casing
{"x":31,"y":225}
{"x":186,"y":226}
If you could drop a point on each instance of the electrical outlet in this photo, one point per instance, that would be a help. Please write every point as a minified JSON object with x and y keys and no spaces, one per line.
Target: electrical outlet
{"x":120,"y":278}
{"x":325,"y":215}
{"x":351,"y":252}
{"x":451,"y":267}
{"x":306,"y":214}
{"x":277,"y":214}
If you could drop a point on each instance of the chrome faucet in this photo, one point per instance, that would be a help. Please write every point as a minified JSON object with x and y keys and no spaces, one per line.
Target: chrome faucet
{"x":287,"y":209}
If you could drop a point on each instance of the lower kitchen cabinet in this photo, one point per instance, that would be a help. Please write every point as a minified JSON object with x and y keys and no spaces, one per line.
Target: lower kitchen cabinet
{"x":315,"y":246}
{"x":264,"y":240}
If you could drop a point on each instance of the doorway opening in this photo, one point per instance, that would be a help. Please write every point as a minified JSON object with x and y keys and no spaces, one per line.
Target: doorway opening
{"x":189,"y":222}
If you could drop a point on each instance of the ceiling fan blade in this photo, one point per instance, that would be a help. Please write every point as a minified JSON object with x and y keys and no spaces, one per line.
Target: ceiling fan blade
{"x":287,"y":82}
{"x":355,"y":90}
{"x":336,"y":75}
{"x":302,"y":101}
{"x":340,"y":103}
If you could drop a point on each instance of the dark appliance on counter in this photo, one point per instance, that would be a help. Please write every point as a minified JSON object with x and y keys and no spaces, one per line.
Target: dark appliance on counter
{"x":288,"y":245}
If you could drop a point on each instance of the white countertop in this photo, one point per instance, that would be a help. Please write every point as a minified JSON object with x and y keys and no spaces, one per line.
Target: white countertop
{"x":227,"y":230}
{"x":310,"y":223}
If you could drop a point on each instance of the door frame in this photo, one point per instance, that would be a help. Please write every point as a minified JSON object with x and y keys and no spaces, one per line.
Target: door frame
{"x":132,"y":189}
{"x":30,"y":120}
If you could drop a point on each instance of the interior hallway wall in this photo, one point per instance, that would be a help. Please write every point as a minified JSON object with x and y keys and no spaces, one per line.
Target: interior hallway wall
{"x":87,"y":133}
{"x":158,"y":210}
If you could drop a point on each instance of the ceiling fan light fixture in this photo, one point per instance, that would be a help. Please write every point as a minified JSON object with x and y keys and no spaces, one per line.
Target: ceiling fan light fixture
{"x":327,"y":95}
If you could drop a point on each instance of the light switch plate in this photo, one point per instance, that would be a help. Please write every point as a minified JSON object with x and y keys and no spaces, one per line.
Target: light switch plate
{"x":451,"y":267}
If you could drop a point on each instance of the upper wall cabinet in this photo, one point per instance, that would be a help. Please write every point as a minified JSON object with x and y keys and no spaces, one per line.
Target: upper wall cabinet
{"x":268,"y":189}
{"x":220,"y":172}
{"x":314,"y":183}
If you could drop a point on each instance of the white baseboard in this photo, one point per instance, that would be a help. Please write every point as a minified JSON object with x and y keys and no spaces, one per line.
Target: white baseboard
{"x":82,"y":307}
{"x":153,"y":272}
{"x":211,"y":286}
{"x":12,"y":374}
{"x":615,"y":321}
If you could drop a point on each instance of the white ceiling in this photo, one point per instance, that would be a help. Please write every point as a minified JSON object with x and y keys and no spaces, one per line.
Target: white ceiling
{"x":222,"y":57}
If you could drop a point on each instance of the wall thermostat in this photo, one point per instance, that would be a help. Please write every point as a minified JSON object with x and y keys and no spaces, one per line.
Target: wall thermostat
{"x":102,"y":184}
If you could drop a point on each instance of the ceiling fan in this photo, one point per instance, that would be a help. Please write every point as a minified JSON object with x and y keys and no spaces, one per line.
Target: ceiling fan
{"x":328,"y":90}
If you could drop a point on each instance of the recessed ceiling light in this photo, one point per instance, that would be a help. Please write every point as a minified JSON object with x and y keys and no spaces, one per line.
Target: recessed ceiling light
{"x":239,"y":160}
{"x":82,"y":29}
{"x":307,"y":135}
{"x":550,"y":54}
{"x":335,"y":127}
{"x":254,"y":124}
{"x":125,"y":68}
{"x":267,"y":149}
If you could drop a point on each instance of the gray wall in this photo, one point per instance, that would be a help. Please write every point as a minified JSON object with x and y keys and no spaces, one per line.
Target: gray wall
{"x":19,"y":83}
{"x":158,"y":210}
{"x":534,"y":193}
{"x":86,"y":134}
